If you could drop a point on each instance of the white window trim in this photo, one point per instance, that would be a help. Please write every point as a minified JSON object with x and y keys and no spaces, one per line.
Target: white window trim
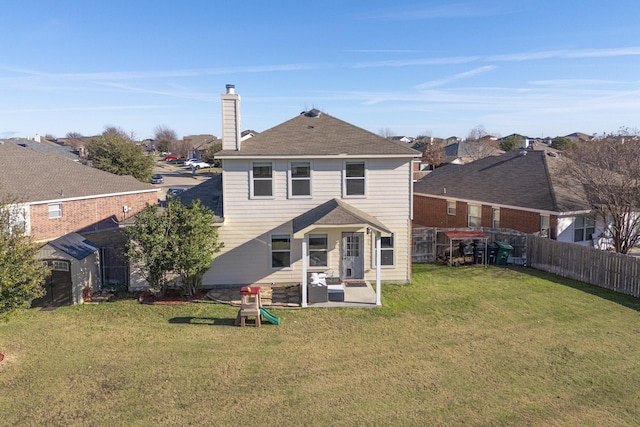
{"x":272,"y":251}
{"x":584,"y":228}
{"x":309,"y":250}
{"x":252,"y":180}
{"x":382,"y":250}
{"x":469,"y":215}
{"x":493,"y":217}
{"x":451,"y":211}
{"x":291,"y":179}
{"x":50,"y":205}
{"x":344,"y":180}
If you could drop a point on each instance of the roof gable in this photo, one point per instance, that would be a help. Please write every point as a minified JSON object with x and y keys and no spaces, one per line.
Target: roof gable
{"x":319,"y":134}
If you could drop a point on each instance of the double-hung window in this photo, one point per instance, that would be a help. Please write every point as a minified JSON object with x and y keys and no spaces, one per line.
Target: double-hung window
{"x":55,"y":210}
{"x":318,"y":250}
{"x":300,"y":179}
{"x":545,"y":226}
{"x":495,"y":221}
{"x":387,"y":250}
{"x":262,"y":179}
{"x":354,"y":179}
{"x":475,"y":216}
{"x":451,"y":207}
{"x":280,"y":251}
{"x":583,"y":227}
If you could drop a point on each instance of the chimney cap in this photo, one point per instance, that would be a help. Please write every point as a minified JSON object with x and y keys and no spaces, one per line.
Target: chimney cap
{"x":231,"y":88}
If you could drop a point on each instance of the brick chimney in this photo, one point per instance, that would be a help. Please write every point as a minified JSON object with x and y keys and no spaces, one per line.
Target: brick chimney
{"x":231,"y":119}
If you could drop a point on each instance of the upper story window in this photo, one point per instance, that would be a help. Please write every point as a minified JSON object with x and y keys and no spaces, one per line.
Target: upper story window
{"x":475,"y":216}
{"x":451,"y":207}
{"x":354,"y":179}
{"x":300,"y":179}
{"x":495,"y":220}
{"x":583,"y":227}
{"x":262,"y":179}
{"x":55,"y":210}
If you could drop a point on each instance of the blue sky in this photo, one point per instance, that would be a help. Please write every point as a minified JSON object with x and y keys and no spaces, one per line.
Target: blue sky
{"x":538,"y":68}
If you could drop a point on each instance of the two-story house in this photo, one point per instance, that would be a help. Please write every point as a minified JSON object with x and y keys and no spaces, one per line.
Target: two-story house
{"x":312,"y":194}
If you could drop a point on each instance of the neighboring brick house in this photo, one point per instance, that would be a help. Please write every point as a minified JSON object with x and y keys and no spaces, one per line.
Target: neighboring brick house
{"x":56,"y":198}
{"x":63,"y":196}
{"x":522,"y":190}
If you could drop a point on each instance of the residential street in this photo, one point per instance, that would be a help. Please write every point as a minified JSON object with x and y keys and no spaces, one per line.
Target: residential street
{"x":175,"y":176}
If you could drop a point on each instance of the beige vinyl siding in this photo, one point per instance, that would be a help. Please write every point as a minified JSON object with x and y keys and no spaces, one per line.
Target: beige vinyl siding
{"x":249,"y":222}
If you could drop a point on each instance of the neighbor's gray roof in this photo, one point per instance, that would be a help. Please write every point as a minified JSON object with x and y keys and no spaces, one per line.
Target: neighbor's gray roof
{"x":318,"y":135}
{"x":33,"y":176}
{"x":46,"y":147}
{"x":75,"y":245}
{"x":533,"y":181}
{"x":209,"y":193}
{"x":335,"y":213}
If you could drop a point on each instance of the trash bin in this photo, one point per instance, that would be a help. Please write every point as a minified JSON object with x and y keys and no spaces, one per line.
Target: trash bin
{"x":478,"y":253}
{"x":492,"y":252}
{"x":504,"y":250}
{"x":466,"y":252}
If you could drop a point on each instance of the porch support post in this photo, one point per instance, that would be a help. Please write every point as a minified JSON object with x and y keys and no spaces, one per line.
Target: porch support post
{"x":378,"y":270}
{"x":303,"y":284}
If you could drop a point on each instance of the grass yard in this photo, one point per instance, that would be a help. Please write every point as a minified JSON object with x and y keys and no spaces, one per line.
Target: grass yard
{"x":472,"y":346}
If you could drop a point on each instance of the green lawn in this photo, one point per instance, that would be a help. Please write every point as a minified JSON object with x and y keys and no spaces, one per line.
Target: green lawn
{"x":472,"y":346}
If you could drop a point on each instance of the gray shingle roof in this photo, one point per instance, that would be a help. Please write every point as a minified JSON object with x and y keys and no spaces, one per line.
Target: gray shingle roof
{"x":33,"y":176}
{"x":321,"y":135}
{"x":75,"y":245}
{"x":209,"y":193}
{"x":335,"y":212}
{"x":50,"y":148}
{"x":532,"y":181}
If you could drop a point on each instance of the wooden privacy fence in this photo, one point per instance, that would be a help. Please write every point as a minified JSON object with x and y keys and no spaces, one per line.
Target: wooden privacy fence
{"x":620,"y":273}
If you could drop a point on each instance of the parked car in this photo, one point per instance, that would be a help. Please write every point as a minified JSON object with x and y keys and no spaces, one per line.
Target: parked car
{"x":157,"y":179}
{"x":199,"y":164}
{"x":170,"y":157}
{"x":191,"y":160}
{"x":174,"y":192}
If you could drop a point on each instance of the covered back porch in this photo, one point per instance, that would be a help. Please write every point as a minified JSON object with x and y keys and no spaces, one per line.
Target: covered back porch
{"x":341,"y":256}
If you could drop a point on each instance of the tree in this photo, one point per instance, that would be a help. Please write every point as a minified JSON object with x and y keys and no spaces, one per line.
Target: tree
{"x":164,"y":138}
{"x":195,"y":241}
{"x":209,"y":155}
{"x":386,"y":133}
{"x":149,"y":247}
{"x":433,"y":153}
{"x":22,"y":276}
{"x":73,"y":135}
{"x":510,"y":143}
{"x":115,"y":152}
{"x":180,"y":240}
{"x":562,"y":143}
{"x":479,"y":144}
{"x":609,"y":169}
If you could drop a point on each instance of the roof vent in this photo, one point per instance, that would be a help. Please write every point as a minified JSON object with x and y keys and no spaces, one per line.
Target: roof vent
{"x":523,"y":152}
{"x":313,"y":113}
{"x":552,"y":154}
